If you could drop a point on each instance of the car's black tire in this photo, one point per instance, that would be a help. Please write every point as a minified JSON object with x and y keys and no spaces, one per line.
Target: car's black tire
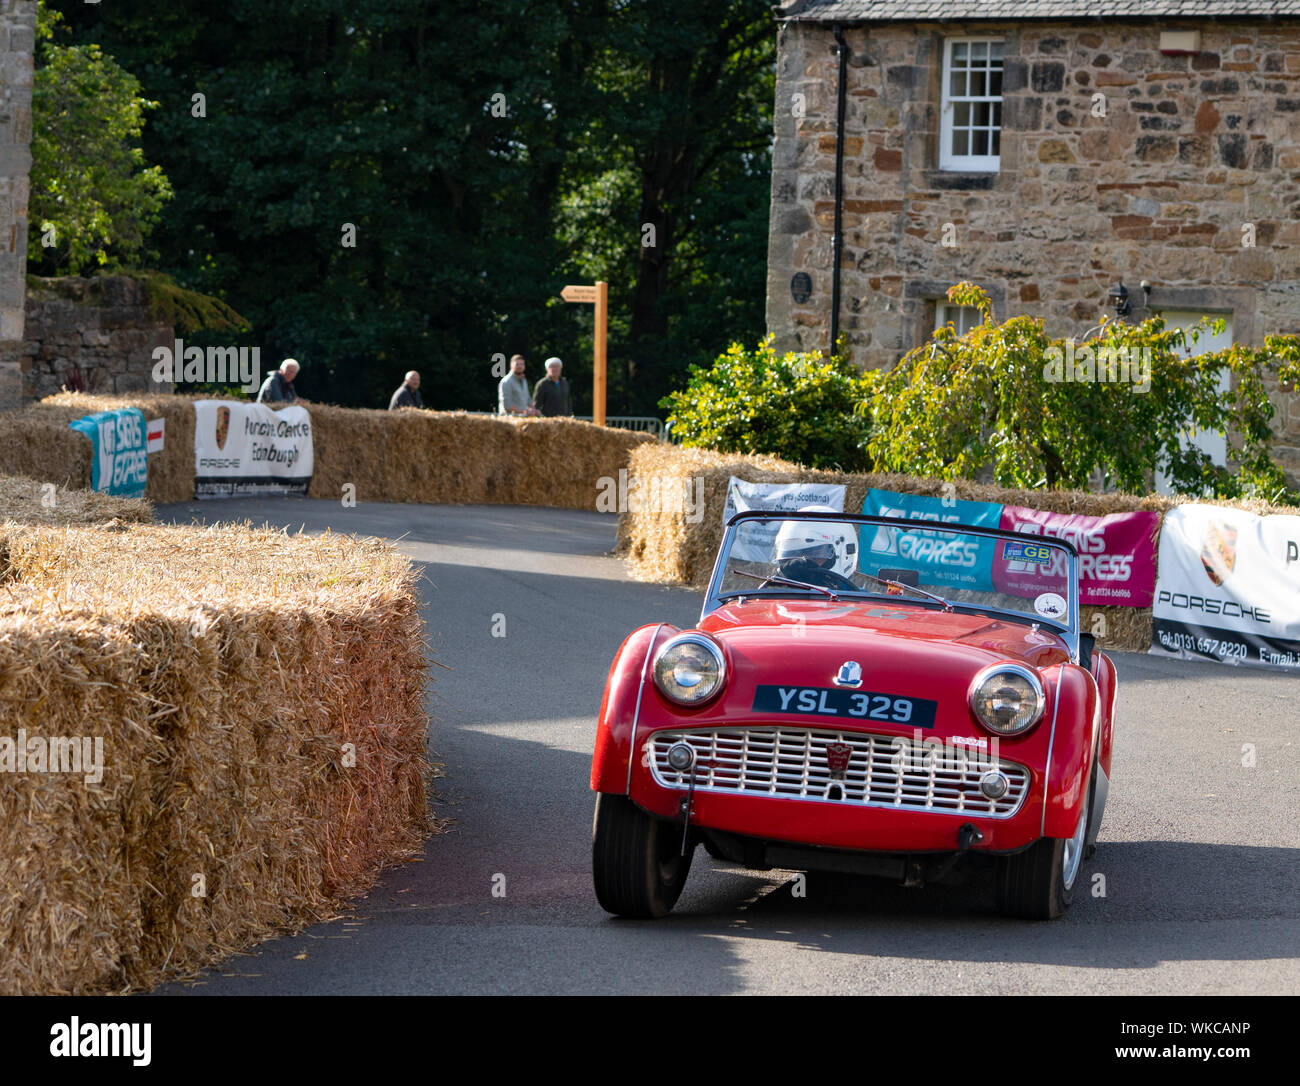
{"x":636,"y":860}
{"x":1033,"y":884}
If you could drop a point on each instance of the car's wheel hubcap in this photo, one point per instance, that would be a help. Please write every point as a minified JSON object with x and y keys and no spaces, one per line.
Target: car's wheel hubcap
{"x":1074,"y":848}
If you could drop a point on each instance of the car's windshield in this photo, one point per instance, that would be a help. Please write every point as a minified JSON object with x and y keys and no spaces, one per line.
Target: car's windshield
{"x":936,"y":565}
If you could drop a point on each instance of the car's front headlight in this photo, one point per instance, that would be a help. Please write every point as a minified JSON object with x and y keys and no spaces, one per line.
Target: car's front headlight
{"x":690,"y":669}
{"x":1007,"y":699}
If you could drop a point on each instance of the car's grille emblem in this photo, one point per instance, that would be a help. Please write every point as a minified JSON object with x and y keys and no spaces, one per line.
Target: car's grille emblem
{"x":837,"y":759}
{"x":849,"y":674}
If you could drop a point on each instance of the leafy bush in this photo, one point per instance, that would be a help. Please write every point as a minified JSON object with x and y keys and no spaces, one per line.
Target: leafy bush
{"x":1006,"y":396}
{"x":93,"y":198}
{"x":796,"y":406}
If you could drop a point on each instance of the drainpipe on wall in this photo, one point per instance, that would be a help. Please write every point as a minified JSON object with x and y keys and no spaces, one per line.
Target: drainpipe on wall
{"x":837,"y":237}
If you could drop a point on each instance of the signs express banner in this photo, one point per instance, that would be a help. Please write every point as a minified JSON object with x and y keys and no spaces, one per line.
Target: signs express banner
{"x":755,"y":543}
{"x":248,"y":449}
{"x":1228,"y":587}
{"x":1117,"y":555}
{"x":963,"y":562}
{"x":120,"y":464}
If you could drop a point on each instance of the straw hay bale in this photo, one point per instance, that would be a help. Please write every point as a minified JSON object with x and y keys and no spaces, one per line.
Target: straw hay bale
{"x":394,"y":456}
{"x":25,"y":500}
{"x":662,"y":546}
{"x":451,"y":457}
{"x":260,"y":701}
{"x":36,"y":442}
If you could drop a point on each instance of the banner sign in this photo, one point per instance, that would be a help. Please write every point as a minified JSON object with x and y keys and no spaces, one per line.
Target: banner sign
{"x":941,"y":558}
{"x":1228,"y":587}
{"x":1117,"y":556}
{"x":155,"y":432}
{"x":754,"y":542}
{"x":120,"y":464}
{"x":248,"y":449}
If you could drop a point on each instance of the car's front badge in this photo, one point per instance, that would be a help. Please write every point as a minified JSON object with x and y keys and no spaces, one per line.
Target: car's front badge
{"x":850,"y":674}
{"x":837,"y":759}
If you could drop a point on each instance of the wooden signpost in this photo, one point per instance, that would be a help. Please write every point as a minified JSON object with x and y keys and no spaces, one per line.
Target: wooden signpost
{"x":598,"y":295}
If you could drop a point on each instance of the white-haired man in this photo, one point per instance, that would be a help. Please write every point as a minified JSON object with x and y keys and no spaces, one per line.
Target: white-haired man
{"x":551,"y":396}
{"x":278,"y":388}
{"x":408,"y":393}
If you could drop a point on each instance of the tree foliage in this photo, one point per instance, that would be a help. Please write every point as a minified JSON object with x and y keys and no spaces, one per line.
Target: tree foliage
{"x":799,"y":406}
{"x":93,"y":197}
{"x":1041,"y":412}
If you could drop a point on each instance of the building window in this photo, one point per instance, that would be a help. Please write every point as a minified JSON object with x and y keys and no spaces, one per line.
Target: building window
{"x":970,"y":122}
{"x":962,"y":317}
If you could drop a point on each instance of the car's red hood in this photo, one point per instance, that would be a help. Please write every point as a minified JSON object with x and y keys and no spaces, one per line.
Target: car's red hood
{"x":882,"y":631}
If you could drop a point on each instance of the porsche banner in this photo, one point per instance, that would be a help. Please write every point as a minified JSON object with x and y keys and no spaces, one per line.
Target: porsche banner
{"x":1227,"y":587}
{"x":248,"y":449}
{"x":755,"y":543}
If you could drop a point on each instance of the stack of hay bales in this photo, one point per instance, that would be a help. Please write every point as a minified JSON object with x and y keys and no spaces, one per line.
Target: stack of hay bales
{"x":389,"y":456}
{"x":259,"y":701}
{"x":663,"y":545}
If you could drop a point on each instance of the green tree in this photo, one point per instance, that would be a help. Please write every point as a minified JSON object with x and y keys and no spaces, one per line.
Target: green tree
{"x":1050,"y":413}
{"x":800,"y":407}
{"x":93,"y":197}
{"x":667,"y":193}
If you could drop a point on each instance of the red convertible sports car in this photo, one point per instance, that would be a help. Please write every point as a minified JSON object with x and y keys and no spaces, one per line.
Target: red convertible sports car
{"x":866,"y":695}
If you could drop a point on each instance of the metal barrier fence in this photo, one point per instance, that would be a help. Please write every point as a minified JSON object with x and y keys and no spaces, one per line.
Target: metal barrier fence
{"x":645,"y":424}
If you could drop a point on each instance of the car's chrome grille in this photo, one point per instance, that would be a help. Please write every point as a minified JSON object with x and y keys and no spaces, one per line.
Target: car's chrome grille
{"x":875,"y":770}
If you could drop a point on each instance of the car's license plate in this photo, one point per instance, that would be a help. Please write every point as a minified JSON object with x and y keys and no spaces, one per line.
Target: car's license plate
{"x":847,"y":704}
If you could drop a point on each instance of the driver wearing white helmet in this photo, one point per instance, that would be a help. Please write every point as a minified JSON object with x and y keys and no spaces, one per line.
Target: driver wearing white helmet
{"x":817,"y":552}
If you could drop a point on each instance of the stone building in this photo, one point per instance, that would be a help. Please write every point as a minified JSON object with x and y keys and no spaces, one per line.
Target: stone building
{"x":17,"y":42}
{"x":1048,"y":150}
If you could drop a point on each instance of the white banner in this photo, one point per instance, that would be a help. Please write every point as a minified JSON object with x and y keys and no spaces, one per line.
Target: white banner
{"x":755,"y":543}
{"x":1228,"y":587}
{"x":247,"y":448}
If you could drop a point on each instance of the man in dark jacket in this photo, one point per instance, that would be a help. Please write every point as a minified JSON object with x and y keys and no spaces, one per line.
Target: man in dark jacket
{"x":407,"y":394}
{"x":278,"y":388}
{"x":551,"y":396}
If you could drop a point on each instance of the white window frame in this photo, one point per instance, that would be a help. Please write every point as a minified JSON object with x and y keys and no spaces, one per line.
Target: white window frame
{"x":949,"y":313}
{"x":948,"y":160}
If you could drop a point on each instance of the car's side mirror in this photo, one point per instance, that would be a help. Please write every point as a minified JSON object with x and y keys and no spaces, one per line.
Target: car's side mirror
{"x":1086,"y":644}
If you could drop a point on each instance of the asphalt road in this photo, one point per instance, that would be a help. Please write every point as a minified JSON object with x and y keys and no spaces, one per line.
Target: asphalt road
{"x":1200,"y":853}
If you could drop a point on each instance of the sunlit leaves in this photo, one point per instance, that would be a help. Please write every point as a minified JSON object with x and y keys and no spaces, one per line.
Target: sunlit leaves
{"x":990,"y":402}
{"x":796,"y":406}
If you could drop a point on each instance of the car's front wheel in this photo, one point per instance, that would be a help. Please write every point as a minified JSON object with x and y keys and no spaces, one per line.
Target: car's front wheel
{"x":636,"y":860}
{"x":1038,"y":884}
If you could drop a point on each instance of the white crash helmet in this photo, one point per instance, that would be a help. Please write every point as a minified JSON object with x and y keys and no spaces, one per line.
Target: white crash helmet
{"x":818,"y":539}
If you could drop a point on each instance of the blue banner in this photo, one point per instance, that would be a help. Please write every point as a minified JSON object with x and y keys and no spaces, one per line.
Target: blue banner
{"x":121,"y":458}
{"x":959,"y":561}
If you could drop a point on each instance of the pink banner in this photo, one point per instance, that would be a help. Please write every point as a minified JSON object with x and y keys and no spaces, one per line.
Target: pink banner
{"x":1117,"y":556}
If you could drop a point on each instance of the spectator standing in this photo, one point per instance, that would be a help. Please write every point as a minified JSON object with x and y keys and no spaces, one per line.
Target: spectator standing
{"x":551,"y":396}
{"x":278,"y":388}
{"x":408,"y":393}
{"x":512,"y":392}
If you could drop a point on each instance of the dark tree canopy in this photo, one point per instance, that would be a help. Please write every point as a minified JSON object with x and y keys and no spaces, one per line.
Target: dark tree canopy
{"x":405,"y":184}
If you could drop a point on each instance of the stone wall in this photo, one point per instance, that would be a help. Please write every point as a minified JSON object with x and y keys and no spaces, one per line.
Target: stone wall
{"x":1191,"y":149}
{"x":17,"y":41}
{"x":96,"y":334}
